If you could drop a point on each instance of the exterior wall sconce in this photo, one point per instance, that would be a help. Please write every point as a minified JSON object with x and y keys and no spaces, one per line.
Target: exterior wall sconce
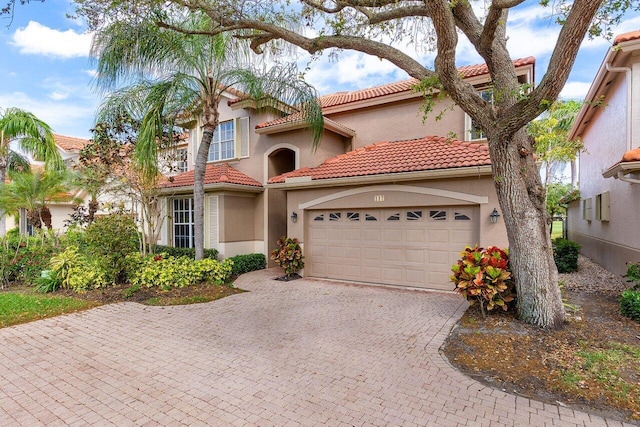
{"x":294,"y":217}
{"x":494,"y":216}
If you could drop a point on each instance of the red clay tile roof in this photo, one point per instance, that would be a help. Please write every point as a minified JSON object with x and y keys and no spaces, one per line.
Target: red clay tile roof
{"x":68,"y":143}
{"x":214,"y":174}
{"x":428,"y":153}
{"x":342,"y":98}
{"x":626,"y":37}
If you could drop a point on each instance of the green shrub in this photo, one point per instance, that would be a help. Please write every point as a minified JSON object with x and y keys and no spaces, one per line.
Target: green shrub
{"x":288,"y":255}
{"x":565,"y":255}
{"x":483,"y":275}
{"x":630,"y":304}
{"x":113,"y":237}
{"x":74,"y":236}
{"x":75,"y":271}
{"x":633,"y":275}
{"x":177,"y":272}
{"x":188,"y":252}
{"x":246,"y":263}
{"x":26,"y":260}
{"x":47,"y":282}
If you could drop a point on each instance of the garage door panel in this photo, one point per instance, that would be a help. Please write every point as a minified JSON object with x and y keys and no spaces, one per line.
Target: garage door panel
{"x":372,"y":254}
{"x":353,"y":252}
{"x":416,"y":255}
{"x":409,"y":246}
{"x":439,"y":236}
{"x":415,"y":235}
{"x":392,"y":234}
{"x":371,"y":235}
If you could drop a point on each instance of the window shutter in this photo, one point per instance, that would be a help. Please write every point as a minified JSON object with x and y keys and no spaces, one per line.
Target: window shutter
{"x":242,"y":136}
{"x":213,"y":222}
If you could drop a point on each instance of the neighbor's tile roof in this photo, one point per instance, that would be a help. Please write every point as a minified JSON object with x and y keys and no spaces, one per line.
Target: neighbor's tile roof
{"x":68,"y":143}
{"x":626,"y":37}
{"x":214,"y":174}
{"x":343,"y":98}
{"x":428,"y":153}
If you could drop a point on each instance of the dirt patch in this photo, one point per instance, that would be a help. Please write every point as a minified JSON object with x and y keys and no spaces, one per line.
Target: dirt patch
{"x":591,"y":364}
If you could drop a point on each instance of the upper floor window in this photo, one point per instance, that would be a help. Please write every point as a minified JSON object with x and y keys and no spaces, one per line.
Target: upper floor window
{"x":230,"y":140}
{"x":473,"y":131}
{"x":181,"y":160}
{"x":223,"y":142}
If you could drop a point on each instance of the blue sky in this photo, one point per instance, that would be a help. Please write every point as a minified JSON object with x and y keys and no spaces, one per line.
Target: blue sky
{"x":45,"y":68}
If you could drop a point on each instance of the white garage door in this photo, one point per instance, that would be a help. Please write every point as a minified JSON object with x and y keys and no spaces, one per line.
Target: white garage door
{"x":408,"y":247}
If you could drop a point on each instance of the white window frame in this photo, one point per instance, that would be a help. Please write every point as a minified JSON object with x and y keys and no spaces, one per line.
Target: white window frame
{"x":223,"y":142}
{"x":230,"y":140}
{"x":472,"y":133}
{"x":182,"y":163}
{"x":183,"y":217}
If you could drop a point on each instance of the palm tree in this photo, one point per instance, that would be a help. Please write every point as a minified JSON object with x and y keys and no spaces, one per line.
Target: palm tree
{"x":33,"y":191}
{"x":169,"y":74}
{"x":33,"y":137}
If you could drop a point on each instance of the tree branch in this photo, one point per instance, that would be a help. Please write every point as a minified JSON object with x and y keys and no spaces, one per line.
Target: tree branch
{"x":562,"y":59}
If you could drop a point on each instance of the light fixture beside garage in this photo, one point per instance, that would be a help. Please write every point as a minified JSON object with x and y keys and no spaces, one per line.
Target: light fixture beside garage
{"x":494,"y":216}
{"x":294,"y":216}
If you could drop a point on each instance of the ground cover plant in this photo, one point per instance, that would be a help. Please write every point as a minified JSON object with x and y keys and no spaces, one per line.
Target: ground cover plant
{"x":591,"y":363}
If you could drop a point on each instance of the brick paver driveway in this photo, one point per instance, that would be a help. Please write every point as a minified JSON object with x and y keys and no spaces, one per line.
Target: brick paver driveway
{"x":299,"y":353}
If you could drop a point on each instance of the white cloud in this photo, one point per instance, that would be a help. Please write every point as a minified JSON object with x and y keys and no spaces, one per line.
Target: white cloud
{"x":72,"y":116}
{"x":91,"y":73}
{"x":37,"y":39}
{"x":575,"y":90}
{"x":58,"y":96}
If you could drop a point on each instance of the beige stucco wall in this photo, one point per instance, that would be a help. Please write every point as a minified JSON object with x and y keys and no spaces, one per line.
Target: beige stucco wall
{"x":237,"y":218}
{"x":615,"y":242}
{"x":402,"y":120}
{"x":487,"y":234}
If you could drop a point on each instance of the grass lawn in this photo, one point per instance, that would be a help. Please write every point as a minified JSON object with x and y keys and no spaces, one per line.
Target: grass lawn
{"x":19,"y":307}
{"x":557,"y":229}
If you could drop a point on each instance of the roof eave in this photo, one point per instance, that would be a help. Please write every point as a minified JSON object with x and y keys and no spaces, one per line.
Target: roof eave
{"x":300,"y":124}
{"x":596,"y":88}
{"x":464,"y":172}
{"x":217,"y":186}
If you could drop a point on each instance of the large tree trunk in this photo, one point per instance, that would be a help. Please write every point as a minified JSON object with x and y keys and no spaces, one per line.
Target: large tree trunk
{"x":521,"y":198}
{"x":574,"y":175}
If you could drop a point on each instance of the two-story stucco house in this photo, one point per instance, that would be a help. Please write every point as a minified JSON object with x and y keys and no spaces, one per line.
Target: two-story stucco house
{"x":387,"y":197}
{"x":606,"y":219}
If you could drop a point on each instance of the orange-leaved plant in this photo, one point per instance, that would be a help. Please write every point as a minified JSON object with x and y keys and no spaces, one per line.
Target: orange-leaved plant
{"x":288,"y":255}
{"x":483,"y":275}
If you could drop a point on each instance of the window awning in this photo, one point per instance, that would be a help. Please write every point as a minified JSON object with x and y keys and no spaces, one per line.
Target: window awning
{"x":622,"y":170}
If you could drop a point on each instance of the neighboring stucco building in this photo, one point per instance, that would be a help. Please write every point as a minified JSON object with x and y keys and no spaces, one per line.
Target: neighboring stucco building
{"x":69,"y":150}
{"x":387,"y":197}
{"x":606,"y":219}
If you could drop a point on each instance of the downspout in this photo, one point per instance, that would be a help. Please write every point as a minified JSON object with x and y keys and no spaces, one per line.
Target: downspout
{"x":627,"y":70}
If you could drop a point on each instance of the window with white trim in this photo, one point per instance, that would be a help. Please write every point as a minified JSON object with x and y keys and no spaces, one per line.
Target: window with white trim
{"x":473,"y":131}
{"x":181,"y":160}
{"x":230,"y":140}
{"x":183,"y":224}
{"x":223,"y":142}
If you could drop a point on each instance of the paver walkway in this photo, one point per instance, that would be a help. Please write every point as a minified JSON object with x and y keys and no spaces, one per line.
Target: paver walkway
{"x":304,"y":353}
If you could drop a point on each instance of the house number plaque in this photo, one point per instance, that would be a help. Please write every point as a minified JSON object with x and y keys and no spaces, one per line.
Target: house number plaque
{"x":378,"y":198}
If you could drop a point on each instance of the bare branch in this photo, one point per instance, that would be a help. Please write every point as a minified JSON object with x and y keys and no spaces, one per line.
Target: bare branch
{"x":397,"y":13}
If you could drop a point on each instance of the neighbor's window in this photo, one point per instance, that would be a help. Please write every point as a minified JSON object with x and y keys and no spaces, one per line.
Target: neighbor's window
{"x":602,"y":206}
{"x":181,"y":160}
{"x":586,"y":209}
